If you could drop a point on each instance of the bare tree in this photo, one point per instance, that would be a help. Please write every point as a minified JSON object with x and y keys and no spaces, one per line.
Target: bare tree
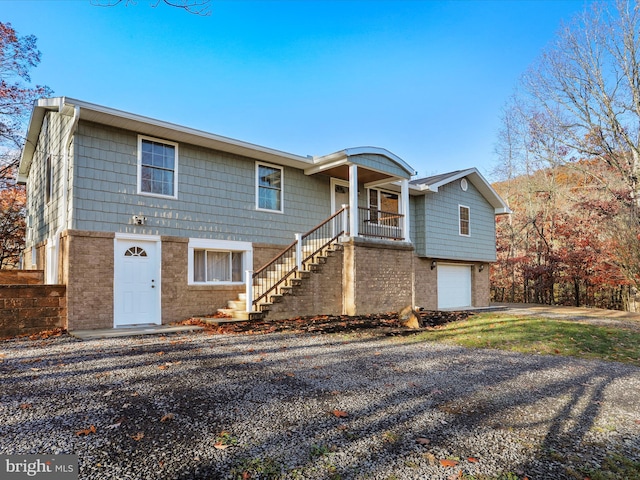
{"x":587,"y":84}
{"x":579,"y":103}
{"x":197,"y":7}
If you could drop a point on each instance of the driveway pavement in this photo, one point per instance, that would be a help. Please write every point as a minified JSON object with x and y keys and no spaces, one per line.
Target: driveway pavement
{"x":596,"y":316}
{"x":313,"y":406}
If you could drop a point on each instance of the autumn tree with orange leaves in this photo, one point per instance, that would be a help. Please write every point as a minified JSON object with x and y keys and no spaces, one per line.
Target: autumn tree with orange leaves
{"x":18,"y":55}
{"x":578,"y":110}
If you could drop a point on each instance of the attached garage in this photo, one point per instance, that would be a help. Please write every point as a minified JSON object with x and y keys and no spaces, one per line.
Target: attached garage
{"x":454,"y":286}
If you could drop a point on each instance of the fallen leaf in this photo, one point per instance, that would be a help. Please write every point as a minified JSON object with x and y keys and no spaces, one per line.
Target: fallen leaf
{"x":432,"y":459}
{"x":290,"y":374}
{"x":26,"y":406}
{"x":160,"y":353}
{"x":162,"y":367}
{"x":167,"y":417}
{"x":138,"y":436}
{"x":340,"y":413}
{"x":445,"y":462}
{"x":220,"y":446}
{"x":86,"y":431}
{"x":473,"y":459}
{"x":423,"y":441}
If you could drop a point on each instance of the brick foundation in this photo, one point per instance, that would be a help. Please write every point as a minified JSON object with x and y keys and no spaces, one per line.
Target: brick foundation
{"x":89,"y":277}
{"x":425,"y":284}
{"x":377,"y":276}
{"x":181,"y":300}
{"x":319,"y":294}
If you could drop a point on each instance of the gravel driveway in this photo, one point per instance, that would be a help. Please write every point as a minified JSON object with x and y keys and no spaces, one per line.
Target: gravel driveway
{"x":310,"y":406}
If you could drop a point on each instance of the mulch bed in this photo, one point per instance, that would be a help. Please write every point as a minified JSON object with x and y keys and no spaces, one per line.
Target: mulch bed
{"x":386,"y":323}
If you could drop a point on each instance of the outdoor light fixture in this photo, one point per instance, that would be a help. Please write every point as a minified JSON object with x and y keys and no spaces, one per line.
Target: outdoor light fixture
{"x":481,"y":267}
{"x":433,"y":264}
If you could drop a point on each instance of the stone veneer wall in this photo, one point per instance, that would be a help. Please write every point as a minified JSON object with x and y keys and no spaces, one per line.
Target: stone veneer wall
{"x":319,"y":294}
{"x":180,"y":300}
{"x":425,"y":284}
{"x":480,"y":285}
{"x":89,"y":278}
{"x":26,"y":309}
{"x":21,"y":277}
{"x":377,"y":276}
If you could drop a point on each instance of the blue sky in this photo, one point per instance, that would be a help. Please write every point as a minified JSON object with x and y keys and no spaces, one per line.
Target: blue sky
{"x":426,"y":80}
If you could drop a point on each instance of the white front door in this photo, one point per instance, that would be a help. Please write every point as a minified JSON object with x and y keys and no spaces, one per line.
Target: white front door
{"x":454,"y":286}
{"x":339,"y":196}
{"x":136,"y":282}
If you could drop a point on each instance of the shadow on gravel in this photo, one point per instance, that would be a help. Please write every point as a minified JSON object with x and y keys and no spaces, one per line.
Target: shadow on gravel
{"x":281,"y":398}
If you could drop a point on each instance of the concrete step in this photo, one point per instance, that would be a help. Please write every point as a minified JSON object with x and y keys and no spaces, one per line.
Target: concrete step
{"x":237,"y":304}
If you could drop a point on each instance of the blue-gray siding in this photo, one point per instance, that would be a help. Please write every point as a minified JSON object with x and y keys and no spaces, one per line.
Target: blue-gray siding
{"x":216,"y":193}
{"x":441,"y":232}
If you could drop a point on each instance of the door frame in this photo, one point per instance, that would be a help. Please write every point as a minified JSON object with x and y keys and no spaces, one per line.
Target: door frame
{"x":334,"y":183}
{"x":156,"y":240}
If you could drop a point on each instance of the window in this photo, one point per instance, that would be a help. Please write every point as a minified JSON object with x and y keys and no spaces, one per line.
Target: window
{"x":157,"y":167}
{"x":384,"y":207}
{"x":269,"y":187}
{"x":211,"y":266}
{"x":218,"y":261}
{"x":464,"y":220}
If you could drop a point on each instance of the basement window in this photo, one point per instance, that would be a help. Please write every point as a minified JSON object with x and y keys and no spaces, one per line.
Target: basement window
{"x":215,"y":262}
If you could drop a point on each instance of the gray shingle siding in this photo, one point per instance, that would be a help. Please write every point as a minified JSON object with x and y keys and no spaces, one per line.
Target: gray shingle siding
{"x":216,"y":193}
{"x":45,"y":217}
{"x":380,"y":163}
{"x":417,"y":226}
{"x":442,"y":237}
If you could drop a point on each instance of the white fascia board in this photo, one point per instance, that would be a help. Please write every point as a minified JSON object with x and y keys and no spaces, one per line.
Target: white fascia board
{"x":337,"y":162}
{"x":33,"y":132}
{"x":478,"y":181}
{"x":393,"y":182}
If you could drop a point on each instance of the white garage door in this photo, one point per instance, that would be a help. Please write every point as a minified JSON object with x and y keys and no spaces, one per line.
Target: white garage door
{"x":454,"y":286}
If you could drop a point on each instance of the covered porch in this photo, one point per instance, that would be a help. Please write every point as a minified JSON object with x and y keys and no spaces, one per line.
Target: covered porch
{"x":372,"y":186}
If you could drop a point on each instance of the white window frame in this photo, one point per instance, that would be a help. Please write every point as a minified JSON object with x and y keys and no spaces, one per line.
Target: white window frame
{"x":246,"y":248}
{"x":175,"y":167}
{"x":278,"y":167}
{"x":460,"y":221}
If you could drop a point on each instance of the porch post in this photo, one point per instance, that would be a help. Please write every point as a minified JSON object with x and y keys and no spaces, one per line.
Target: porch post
{"x":353,"y":200}
{"x":248,"y":284}
{"x":299,"y":251}
{"x":404,"y":209}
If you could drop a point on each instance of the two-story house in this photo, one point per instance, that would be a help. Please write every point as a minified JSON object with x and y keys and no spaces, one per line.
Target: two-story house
{"x":148,"y":222}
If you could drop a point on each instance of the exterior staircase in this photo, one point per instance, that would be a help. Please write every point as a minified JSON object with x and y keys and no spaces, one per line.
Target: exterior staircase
{"x":289,"y":281}
{"x":287,"y":272}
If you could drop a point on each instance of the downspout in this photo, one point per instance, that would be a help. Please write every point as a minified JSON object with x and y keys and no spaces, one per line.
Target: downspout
{"x":65,"y":187}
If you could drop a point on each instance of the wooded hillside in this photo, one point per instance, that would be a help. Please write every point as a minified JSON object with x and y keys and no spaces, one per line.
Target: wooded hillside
{"x":567,"y":241}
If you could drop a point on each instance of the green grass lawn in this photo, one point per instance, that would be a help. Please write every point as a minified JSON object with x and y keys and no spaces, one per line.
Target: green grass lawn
{"x":540,"y":335}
